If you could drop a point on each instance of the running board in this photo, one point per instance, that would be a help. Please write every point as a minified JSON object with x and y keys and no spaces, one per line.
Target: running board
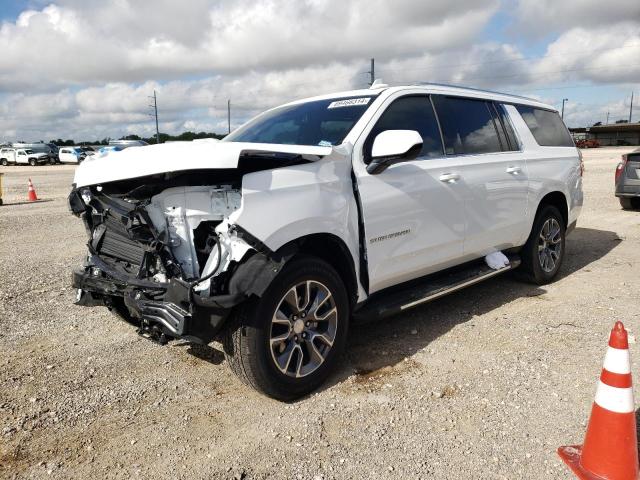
{"x":425,"y":290}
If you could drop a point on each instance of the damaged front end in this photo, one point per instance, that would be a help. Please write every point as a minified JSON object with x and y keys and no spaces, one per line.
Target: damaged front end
{"x":163,"y":251}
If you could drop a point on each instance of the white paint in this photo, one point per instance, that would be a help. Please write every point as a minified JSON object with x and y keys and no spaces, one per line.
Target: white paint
{"x":178,"y":211}
{"x":391,"y":143}
{"x":617,"y":360}
{"x":177,"y":156}
{"x":619,"y":400}
{"x":450,"y":223}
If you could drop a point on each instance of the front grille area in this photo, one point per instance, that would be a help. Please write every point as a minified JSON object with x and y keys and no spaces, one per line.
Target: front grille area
{"x":116,"y":243}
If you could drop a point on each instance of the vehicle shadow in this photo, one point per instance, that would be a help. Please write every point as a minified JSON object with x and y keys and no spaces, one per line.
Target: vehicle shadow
{"x":379,"y":345}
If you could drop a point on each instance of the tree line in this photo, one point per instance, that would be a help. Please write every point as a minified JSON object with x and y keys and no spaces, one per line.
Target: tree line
{"x":164,"y":137}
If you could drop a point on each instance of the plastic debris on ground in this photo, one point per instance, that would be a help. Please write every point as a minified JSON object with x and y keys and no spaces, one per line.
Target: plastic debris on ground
{"x":496,"y":260}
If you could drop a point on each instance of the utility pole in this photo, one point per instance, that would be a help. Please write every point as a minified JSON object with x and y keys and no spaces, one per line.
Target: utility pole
{"x":229,"y":115}
{"x":607,"y":122}
{"x":155,"y":113}
{"x":563,"y":100}
{"x":631,"y":108}
{"x":372,"y":72}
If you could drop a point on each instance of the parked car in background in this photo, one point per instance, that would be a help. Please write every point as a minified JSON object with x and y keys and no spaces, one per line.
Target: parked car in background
{"x":21,"y":156}
{"x":48,"y":148}
{"x":587,"y":143}
{"x":356,"y":205}
{"x":119,"y":145}
{"x":71,"y":155}
{"x":628,"y":180}
{"x":88,"y":150}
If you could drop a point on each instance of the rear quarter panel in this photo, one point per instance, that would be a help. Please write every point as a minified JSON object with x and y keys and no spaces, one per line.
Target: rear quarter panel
{"x":550,"y":169}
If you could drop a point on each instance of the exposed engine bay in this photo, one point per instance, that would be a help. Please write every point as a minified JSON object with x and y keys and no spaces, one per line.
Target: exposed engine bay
{"x":163,"y":250}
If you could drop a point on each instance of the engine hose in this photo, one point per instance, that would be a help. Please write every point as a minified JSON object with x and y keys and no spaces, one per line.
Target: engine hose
{"x":213,"y":272}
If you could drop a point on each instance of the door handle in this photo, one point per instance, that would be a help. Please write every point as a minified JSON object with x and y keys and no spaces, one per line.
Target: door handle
{"x":449,"y":177}
{"x":514,"y":170}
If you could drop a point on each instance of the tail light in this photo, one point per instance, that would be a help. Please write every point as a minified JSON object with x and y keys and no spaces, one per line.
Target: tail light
{"x":620,"y":168}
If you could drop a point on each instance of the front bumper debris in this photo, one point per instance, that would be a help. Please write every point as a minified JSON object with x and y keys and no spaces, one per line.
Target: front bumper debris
{"x":171,"y":309}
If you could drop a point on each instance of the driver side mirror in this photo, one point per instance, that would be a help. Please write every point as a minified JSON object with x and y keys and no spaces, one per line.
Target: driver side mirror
{"x":393,"y":146}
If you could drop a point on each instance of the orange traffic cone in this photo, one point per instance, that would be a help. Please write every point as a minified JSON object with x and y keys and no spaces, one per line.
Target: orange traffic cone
{"x":610,"y":449}
{"x":31,"y":194}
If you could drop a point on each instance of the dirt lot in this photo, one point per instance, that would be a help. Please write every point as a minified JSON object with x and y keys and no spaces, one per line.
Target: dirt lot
{"x":485,"y":383}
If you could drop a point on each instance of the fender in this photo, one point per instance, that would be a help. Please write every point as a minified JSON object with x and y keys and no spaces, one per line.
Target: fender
{"x":307,"y":199}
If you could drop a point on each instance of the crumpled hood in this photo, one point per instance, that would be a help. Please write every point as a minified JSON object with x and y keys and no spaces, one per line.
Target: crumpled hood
{"x":137,"y":162}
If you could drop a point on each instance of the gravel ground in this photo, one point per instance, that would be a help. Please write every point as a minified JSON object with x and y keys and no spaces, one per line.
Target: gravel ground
{"x":484,"y":383}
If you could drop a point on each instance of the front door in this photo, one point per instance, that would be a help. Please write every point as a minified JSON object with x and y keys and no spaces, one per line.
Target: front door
{"x":414,"y":217}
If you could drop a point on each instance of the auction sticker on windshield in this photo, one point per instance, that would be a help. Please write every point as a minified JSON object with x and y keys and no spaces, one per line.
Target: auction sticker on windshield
{"x":350,"y":102}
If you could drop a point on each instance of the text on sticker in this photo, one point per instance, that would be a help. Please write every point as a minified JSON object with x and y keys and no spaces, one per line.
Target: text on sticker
{"x":350,"y":102}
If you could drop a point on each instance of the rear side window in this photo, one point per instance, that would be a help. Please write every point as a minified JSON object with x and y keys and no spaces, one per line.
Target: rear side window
{"x":467,"y":126}
{"x":410,"y":113}
{"x":546,"y":127}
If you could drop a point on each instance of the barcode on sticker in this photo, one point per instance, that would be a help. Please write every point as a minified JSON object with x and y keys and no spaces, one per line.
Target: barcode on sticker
{"x":350,"y":102}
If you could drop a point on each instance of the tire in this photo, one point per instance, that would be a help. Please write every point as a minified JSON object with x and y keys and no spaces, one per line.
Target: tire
{"x":248,"y":346}
{"x":32,"y":162}
{"x":541,"y":268}
{"x":629,"y":203}
{"x":4,"y":162}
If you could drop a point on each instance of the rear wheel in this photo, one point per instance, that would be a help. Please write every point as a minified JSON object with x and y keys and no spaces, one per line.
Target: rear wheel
{"x":543,"y":253}
{"x":4,"y":162}
{"x":629,"y":203}
{"x":286,"y":343}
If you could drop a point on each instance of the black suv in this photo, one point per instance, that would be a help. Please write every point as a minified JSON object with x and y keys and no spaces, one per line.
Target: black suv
{"x":628,"y":180}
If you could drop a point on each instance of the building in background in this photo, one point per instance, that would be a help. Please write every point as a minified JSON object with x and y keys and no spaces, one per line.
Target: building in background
{"x":614,"y":134}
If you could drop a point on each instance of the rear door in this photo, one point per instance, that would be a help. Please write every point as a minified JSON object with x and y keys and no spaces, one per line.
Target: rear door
{"x":413,"y":212}
{"x":478,"y":134}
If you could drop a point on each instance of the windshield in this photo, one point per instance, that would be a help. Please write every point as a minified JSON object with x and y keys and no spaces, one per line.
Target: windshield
{"x":29,"y":151}
{"x":320,"y":122}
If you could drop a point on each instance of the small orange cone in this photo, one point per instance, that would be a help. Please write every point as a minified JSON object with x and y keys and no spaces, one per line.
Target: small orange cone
{"x":610,"y":449}
{"x":31,"y":194}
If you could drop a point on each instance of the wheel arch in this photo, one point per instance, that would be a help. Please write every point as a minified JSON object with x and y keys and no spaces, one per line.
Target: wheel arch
{"x":333,"y":250}
{"x":557,"y":199}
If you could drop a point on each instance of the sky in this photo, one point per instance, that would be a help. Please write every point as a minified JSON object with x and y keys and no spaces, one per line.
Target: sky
{"x":84,"y":69}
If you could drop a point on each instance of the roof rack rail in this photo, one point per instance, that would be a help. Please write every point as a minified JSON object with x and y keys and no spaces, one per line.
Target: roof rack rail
{"x":474,"y":89}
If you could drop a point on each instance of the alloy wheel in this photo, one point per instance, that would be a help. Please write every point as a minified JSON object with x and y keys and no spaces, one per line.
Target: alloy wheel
{"x":303,"y":329}
{"x":550,"y":245}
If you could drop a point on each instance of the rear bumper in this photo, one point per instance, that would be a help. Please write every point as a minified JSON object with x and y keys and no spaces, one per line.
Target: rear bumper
{"x":171,"y":307}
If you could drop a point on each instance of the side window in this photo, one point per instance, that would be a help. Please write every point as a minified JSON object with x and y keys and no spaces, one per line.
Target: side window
{"x":467,"y":126}
{"x":410,"y":113}
{"x":546,"y":127}
{"x":508,"y":128}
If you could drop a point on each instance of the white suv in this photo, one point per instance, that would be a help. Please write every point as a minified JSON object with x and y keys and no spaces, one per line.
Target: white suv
{"x":327,"y":210}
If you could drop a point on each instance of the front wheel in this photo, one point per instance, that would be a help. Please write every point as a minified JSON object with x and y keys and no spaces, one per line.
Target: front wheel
{"x":32,"y":162}
{"x":286,"y":343}
{"x":543,"y":253}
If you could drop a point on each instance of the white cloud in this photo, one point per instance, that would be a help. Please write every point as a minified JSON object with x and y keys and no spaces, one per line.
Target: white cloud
{"x":85,"y":68}
{"x":541,"y":17}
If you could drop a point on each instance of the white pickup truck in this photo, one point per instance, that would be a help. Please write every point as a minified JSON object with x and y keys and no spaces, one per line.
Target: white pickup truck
{"x":21,"y":156}
{"x":324,"y":211}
